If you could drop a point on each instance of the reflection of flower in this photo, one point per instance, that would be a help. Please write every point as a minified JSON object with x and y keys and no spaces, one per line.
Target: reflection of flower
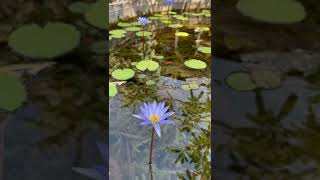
{"x":168,"y":2}
{"x":143,"y":20}
{"x":154,"y":114}
{"x":99,"y":172}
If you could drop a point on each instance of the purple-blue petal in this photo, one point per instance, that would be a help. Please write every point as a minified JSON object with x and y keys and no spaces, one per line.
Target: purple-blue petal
{"x":103,"y":148}
{"x":166,"y":122}
{"x":157,"y":128}
{"x":145,"y":123}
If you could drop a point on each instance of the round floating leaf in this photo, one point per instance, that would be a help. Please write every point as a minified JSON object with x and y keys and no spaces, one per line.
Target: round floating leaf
{"x":110,"y":37}
{"x":117,"y":32}
{"x":188,"y":87}
{"x":147,"y":65}
{"x":240,"y":81}
{"x":79,"y":7}
{"x":150,"y":83}
{"x":96,"y":14}
{"x":143,"y":33}
{"x":266,"y":79}
{"x":179,"y":17}
{"x":194,"y":86}
{"x":158,"y":15}
{"x":113,"y":91}
{"x":196,"y":14}
{"x":171,"y":12}
{"x":206,"y":50}
{"x":195,"y":64}
{"x":133,"y":29}
{"x":117,"y":36}
{"x":124,"y":24}
{"x":158,"y":57}
{"x":273,"y":11}
{"x":166,"y":21}
{"x":99,"y":47}
{"x":203,"y":29}
{"x":123,"y":74}
{"x":176,"y":25}
{"x":182,"y":34}
{"x":154,"y":18}
{"x":55,"y":39}
{"x":12,"y":92}
{"x":207,"y":15}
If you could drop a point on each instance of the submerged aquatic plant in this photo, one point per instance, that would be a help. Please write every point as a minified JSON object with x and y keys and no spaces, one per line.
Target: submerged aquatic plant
{"x":154,"y":114}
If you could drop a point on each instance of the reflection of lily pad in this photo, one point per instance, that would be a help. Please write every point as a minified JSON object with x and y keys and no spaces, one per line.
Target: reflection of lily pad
{"x":134,"y":29}
{"x":182,"y":34}
{"x":147,"y":65}
{"x":123,"y":74}
{"x":240,"y":81}
{"x":188,"y":87}
{"x":12,"y":92}
{"x":79,"y":7}
{"x":124,"y":24}
{"x":99,"y":47}
{"x":195,"y":64}
{"x":206,"y":50}
{"x":96,"y":14}
{"x":273,"y":11}
{"x":150,"y":82}
{"x":266,"y":79}
{"x":143,"y":33}
{"x":53,"y":40}
{"x":117,"y":32}
{"x":176,"y":25}
{"x":112,"y":90}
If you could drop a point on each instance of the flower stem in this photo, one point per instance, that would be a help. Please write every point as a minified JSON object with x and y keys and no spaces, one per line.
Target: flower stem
{"x":151,"y":145}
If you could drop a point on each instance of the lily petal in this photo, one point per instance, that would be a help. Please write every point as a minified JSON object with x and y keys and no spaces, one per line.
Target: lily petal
{"x":138,"y":116}
{"x":166,"y":122}
{"x":157,"y":128}
{"x":144,"y":123}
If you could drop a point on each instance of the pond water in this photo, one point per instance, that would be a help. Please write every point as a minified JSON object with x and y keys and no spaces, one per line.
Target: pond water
{"x":270,"y":134}
{"x":184,"y":147}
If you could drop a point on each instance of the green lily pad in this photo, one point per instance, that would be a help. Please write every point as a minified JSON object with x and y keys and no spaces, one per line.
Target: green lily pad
{"x":175,"y":25}
{"x":150,"y":83}
{"x":124,"y":24}
{"x":158,"y":15}
{"x":266,"y":79}
{"x":240,"y":81}
{"x":171,"y":12}
{"x":179,"y":17}
{"x":99,"y":47}
{"x":117,"y":32}
{"x":110,"y":37}
{"x":166,"y":21}
{"x":188,"y":87}
{"x":12,"y":92}
{"x":206,"y":50}
{"x":203,"y":29}
{"x":79,"y":7}
{"x":158,"y":57}
{"x":96,"y":15}
{"x":182,"y":34}
{"x":196,"y":14}
{"x":55,"y":39}
{"x":113,"y":91}
{"x":195,"y":64}
{"x":273,"y":11}
{"x":154,"y":17}
{"x":143,"y":33}
{"x":134,"y":29}
{"x":117,"y":36}
{"x":123,"y":74}
{"x":147,"y":65}
{"x":207,"y":15}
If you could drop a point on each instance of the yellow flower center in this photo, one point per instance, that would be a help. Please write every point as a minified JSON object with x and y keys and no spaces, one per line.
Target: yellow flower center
{"x":154,"y":118}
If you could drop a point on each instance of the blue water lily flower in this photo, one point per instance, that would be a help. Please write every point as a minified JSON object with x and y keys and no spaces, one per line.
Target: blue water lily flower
{"x":168,"y":2}
{"x":143,"y":20}
{"x":155,"y":114}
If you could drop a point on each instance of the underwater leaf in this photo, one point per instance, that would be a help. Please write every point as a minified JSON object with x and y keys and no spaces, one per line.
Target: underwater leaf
{"x":147,"y":65}
{"x":182,"y":34}
{"x":143,"y":33}
{"x":89,"y":172}
{"x":96,"y":14}
{"x":123,"y":74}
{"x":240,"y":81}
{"x":12,"y":92}
{"x":112,"y":90}
{"x":133,"y":29}
{"x":195,"y":64}
{"x":266,"y":79}
{"x":79,"y":7}
{"x":284,"y":11}
{"x":176,"y":25}
{"x":54,"y":39}
{"x":206,"y":50}
{"x":150,"y":82}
